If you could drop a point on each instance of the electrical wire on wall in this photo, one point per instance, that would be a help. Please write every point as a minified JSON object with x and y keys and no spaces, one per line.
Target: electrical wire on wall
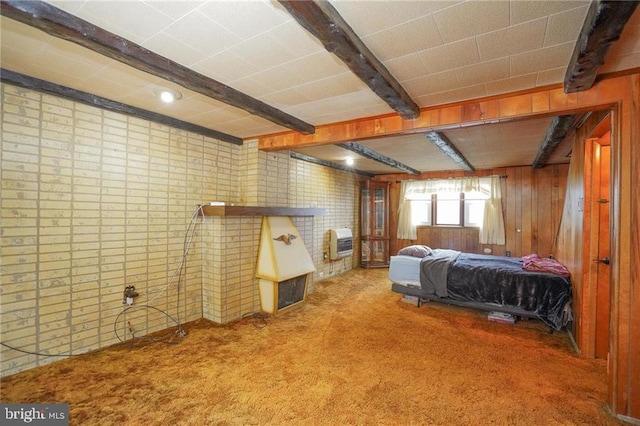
{"x":181,"y":274}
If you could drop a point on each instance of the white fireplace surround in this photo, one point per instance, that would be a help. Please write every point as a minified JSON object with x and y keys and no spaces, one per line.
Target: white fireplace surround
{"x":282,"y":256}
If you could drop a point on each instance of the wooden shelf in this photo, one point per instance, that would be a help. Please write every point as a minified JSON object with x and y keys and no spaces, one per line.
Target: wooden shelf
{"x":260,"y":211}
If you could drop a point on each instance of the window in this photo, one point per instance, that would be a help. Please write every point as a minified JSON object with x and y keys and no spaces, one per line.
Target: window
{"x":449,"y":209}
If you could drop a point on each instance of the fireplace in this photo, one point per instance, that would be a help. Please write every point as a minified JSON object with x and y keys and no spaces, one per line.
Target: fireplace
{"x":283,"y":265}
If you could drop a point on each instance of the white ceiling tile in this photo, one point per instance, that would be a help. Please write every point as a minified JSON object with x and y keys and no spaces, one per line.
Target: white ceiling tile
{"x":335,"y":85}
{"x":433,"y":83}
{"x":67,"y":5}
{"x":449,"y":56}
{"x":541,"y":59}
{"x":483,"y":72}
{"x":403,"y":39}
{"x":380,"y":15}
{"x":252,"y":86}
{"x":276,"y":78}
{"x":202,"y":34}
{"x":225,"y":67}
{"x":175,"y":9}
{"x":286,"y":98}
{"x":298,"y":41}
{"x":512,"y":40}
{"x":136,"y":22}
{"x":318,"y":66}
{"x":523,"y":11}
{"x":246,"y":19}
{"x":456,"y":95}
{"x":264,"y":52}
{"x":512,"y":84}
{"x":551,"y":76}
{"x":565,"y":26}
{"x":406,"y":67}
{"x":169,"y":47}
{"x":471,"y":18}
{"x":22,"y":37}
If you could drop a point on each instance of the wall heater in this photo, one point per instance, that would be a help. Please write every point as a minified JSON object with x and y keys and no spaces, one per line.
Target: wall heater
{"x":340,"y":243}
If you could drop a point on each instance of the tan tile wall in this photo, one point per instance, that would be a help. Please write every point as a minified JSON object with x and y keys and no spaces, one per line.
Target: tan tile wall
{"x":230,"y":245}
{"x":93,"y":201}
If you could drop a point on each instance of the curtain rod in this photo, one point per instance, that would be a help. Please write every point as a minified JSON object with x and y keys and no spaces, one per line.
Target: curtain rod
{"x":459,"y":177}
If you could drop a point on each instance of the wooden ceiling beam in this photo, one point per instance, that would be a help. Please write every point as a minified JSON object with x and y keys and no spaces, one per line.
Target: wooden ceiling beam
{"x":556,"y":133}
{"x":36,"y":84}
{"x":58,"y":23}
{"x":326,"y":163}
{"x":441,"y":141}
{"x":602,"y":27}
{"x":323,"y":21}
{"x":376,"y":156}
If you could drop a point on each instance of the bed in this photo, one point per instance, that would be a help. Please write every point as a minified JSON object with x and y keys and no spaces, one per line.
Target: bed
{"x":486,"y":282}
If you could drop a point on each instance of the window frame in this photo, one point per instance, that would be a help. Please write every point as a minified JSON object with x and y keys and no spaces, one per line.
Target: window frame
{"x":433,"y":213}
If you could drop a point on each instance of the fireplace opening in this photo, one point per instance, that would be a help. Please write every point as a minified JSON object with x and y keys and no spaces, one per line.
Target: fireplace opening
{"x":291,"y":291}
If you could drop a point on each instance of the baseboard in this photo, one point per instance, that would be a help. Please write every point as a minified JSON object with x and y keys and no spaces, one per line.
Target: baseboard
{"x":630,"y":420}
{"x":573,"y":342}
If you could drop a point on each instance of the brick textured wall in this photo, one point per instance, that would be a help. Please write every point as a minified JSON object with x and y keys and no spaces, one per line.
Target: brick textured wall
{"x":93,"y":201}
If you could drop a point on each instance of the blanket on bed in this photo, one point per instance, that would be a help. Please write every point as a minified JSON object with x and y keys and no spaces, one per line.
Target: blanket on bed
{"x":496,"y":280}
{"x":434,"y":270}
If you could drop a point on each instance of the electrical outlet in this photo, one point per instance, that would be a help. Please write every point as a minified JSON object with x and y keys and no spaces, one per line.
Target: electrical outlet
{"x":508,"y":253}
{"x":320,"y":274}
{"x":325,"y":255}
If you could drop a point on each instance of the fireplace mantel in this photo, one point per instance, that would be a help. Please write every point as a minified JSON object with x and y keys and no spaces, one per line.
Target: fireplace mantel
{"x":261,"y":211}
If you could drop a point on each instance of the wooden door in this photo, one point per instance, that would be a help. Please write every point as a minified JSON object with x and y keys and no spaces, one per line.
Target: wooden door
{"x":600,"y":249}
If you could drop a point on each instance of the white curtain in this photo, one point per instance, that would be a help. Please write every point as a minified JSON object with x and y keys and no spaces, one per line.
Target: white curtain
{"x":406,"y":228}
{"x":492,"y":230}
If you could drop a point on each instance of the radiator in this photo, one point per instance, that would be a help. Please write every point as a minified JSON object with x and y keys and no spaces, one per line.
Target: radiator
{"x":340,"y":243}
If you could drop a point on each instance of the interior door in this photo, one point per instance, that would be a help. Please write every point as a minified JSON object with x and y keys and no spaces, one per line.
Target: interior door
{"x":601,"y":248}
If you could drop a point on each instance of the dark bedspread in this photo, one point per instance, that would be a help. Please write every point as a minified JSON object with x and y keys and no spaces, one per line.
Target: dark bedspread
{"x":502,"y":281}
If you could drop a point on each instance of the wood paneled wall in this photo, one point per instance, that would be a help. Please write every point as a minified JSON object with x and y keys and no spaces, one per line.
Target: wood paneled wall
{"x":532,"y":202}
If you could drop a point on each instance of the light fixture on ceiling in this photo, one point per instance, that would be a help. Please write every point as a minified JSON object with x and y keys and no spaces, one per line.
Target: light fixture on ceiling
{"x":167,"y":95}
{"x":349,"y":161}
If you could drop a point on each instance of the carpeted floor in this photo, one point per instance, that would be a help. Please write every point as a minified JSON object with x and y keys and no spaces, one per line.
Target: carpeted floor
{"x":353,"y":354}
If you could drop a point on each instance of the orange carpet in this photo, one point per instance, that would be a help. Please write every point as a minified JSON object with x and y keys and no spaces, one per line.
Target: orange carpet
{"x":353,"y":354}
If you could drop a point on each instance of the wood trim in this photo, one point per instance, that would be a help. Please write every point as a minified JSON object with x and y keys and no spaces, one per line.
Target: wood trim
{"x":324,"y":22}
{"x":32,"y":83}
{"x":261,"y":211}
{"x":542,"y":103}
{"x":66,"y":26}
{"x":602,"y":27}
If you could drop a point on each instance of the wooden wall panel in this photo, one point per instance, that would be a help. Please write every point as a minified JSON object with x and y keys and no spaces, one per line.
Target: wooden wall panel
{"x":532,"y":204}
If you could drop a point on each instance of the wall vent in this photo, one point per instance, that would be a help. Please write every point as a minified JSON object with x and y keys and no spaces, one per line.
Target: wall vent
{"x":340,"y":243}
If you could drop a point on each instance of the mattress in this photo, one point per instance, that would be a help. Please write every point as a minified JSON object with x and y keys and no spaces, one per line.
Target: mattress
{"x":405,"y":270}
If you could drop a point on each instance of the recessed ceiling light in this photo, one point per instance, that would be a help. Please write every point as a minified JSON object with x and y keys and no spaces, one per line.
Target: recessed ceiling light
{"x":167,"y":95}
{"x":349,"y":161}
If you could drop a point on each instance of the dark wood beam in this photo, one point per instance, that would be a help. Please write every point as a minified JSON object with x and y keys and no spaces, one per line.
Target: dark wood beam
{"x":602,"y":27}
{"x":325,"y":163}
{"x":556,"y":133}
{"x":59,"y":23}
{"x":376,"y":156}
{"x":32,"y":83}
{"x":441,"y":141}
{"x":322,"y":20}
